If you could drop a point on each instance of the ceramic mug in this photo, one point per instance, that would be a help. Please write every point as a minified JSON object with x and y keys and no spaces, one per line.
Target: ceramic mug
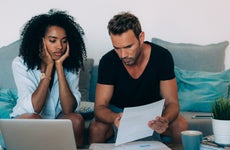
{"x":191,"y":139}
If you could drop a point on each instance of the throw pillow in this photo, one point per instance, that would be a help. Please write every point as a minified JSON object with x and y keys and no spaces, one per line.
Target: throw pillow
{"x":8,"y":99}
{"x":196,"y":57}
{"x":197,"y":90}
{"x":86,"y":109}
{"x":7,"y":54}
{"x":85,"y":77}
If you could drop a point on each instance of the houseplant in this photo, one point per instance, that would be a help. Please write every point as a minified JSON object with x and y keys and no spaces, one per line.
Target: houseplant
{"x":221,"y":121}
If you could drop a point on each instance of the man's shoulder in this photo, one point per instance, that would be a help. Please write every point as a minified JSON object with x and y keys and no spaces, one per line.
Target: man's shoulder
{"x":155,"y":46}
{"x":157,"y":49}
{"x":109,"y":56}
{"x":109,"y":53}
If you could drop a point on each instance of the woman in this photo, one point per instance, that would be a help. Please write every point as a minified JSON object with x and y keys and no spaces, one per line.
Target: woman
{"x":46,"y":71}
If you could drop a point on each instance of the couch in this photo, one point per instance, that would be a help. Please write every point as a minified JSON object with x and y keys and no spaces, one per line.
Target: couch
{"x":200,"y":72}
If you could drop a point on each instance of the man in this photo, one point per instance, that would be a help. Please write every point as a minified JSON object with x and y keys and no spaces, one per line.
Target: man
{"x":133,"y":74}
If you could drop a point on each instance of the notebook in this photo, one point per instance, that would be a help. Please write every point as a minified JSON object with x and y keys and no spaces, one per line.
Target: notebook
{"x":38,"y":134}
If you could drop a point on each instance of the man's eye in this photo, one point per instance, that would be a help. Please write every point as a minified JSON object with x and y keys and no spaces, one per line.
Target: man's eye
{"x":115,"y":48}
{"x":129,"y":46}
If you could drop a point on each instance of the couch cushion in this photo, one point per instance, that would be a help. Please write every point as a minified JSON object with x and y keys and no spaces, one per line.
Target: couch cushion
{"x":7,"y":54}
{"x":85,"y":78}
{"x":93,"y":83}
{"x":197,"y":90}
{"x":86,"y":109}
{"x":196,"y":57}
{"x":8,"y":98}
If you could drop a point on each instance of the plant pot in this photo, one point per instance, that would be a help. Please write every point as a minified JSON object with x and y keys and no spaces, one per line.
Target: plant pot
{"x":221,"y":131}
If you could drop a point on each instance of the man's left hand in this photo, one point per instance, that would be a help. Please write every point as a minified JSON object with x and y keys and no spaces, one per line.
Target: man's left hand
{"x":160,"y":124}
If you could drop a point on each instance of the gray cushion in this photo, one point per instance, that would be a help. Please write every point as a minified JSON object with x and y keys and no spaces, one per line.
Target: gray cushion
{"x":85,"y":77}
{"x":7,"y":54}
{"x":93,"y":83}
{"x":196,"y":57}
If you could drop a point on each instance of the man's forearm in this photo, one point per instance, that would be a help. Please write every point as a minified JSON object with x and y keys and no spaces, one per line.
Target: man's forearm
{"x":171,"y":112}
{"x":104,"y":114}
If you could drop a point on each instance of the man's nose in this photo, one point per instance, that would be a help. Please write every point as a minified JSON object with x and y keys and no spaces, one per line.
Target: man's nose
{"x":123,"y":53}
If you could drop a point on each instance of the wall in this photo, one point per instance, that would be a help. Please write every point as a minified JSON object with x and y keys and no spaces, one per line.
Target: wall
{"x":191,"y":21}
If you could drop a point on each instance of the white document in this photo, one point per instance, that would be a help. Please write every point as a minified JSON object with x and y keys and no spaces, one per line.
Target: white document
{"x":134,"y":122}
{"x":138,"y":145}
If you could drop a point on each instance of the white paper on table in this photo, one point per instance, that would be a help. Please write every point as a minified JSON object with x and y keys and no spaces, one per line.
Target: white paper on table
{"x":134,"y":122}
{"x":137,"y":145}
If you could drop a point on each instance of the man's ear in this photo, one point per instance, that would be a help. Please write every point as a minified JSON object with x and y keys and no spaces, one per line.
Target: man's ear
{"x":142,"y":37}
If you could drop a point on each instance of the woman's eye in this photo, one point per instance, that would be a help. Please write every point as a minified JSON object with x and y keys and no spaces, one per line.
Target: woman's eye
{"x":65,"y":41}
{"x":52,"y":41}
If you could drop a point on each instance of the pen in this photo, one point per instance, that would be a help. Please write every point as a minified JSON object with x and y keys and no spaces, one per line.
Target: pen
{"x":145,"y":145}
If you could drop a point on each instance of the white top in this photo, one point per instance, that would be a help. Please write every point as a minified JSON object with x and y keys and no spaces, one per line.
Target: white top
{"x":27,"y":82}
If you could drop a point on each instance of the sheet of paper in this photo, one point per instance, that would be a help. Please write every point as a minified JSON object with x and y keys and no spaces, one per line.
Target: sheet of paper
{"x":138,"y":145}
{"x":134,"y":122}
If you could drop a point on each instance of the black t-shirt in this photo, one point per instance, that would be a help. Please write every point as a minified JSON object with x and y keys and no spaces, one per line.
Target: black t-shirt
{"x":129,"y":92}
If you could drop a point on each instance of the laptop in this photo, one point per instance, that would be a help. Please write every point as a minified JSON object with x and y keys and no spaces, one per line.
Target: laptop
{"x":38,"y":134}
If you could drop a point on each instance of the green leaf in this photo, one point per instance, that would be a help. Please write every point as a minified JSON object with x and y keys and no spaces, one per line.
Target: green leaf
{"x":221,"y":109}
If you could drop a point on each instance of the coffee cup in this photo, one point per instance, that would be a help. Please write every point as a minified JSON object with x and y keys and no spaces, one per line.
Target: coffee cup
{"x":191,"y":139}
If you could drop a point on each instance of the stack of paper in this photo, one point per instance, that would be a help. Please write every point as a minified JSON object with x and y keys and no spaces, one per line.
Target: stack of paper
{"x":138,"y":145}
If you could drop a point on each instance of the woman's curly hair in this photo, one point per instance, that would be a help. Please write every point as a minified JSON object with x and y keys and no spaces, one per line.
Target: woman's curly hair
{"x":34,"y":31}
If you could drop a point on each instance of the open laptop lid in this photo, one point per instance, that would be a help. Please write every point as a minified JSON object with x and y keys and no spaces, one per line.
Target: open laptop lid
{"x":38,"y":134}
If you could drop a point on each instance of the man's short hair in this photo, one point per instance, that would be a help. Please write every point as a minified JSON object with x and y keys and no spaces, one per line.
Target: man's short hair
{"x":123,"y":22}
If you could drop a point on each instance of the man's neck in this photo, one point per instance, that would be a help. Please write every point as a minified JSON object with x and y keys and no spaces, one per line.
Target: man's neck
{"x":138,"y":68}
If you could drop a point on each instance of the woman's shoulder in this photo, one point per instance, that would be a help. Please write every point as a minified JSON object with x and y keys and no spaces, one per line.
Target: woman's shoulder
{"x":18,"y":61}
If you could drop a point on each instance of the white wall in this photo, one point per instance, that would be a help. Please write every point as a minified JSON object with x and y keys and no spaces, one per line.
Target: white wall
{"x":193,"y":21}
